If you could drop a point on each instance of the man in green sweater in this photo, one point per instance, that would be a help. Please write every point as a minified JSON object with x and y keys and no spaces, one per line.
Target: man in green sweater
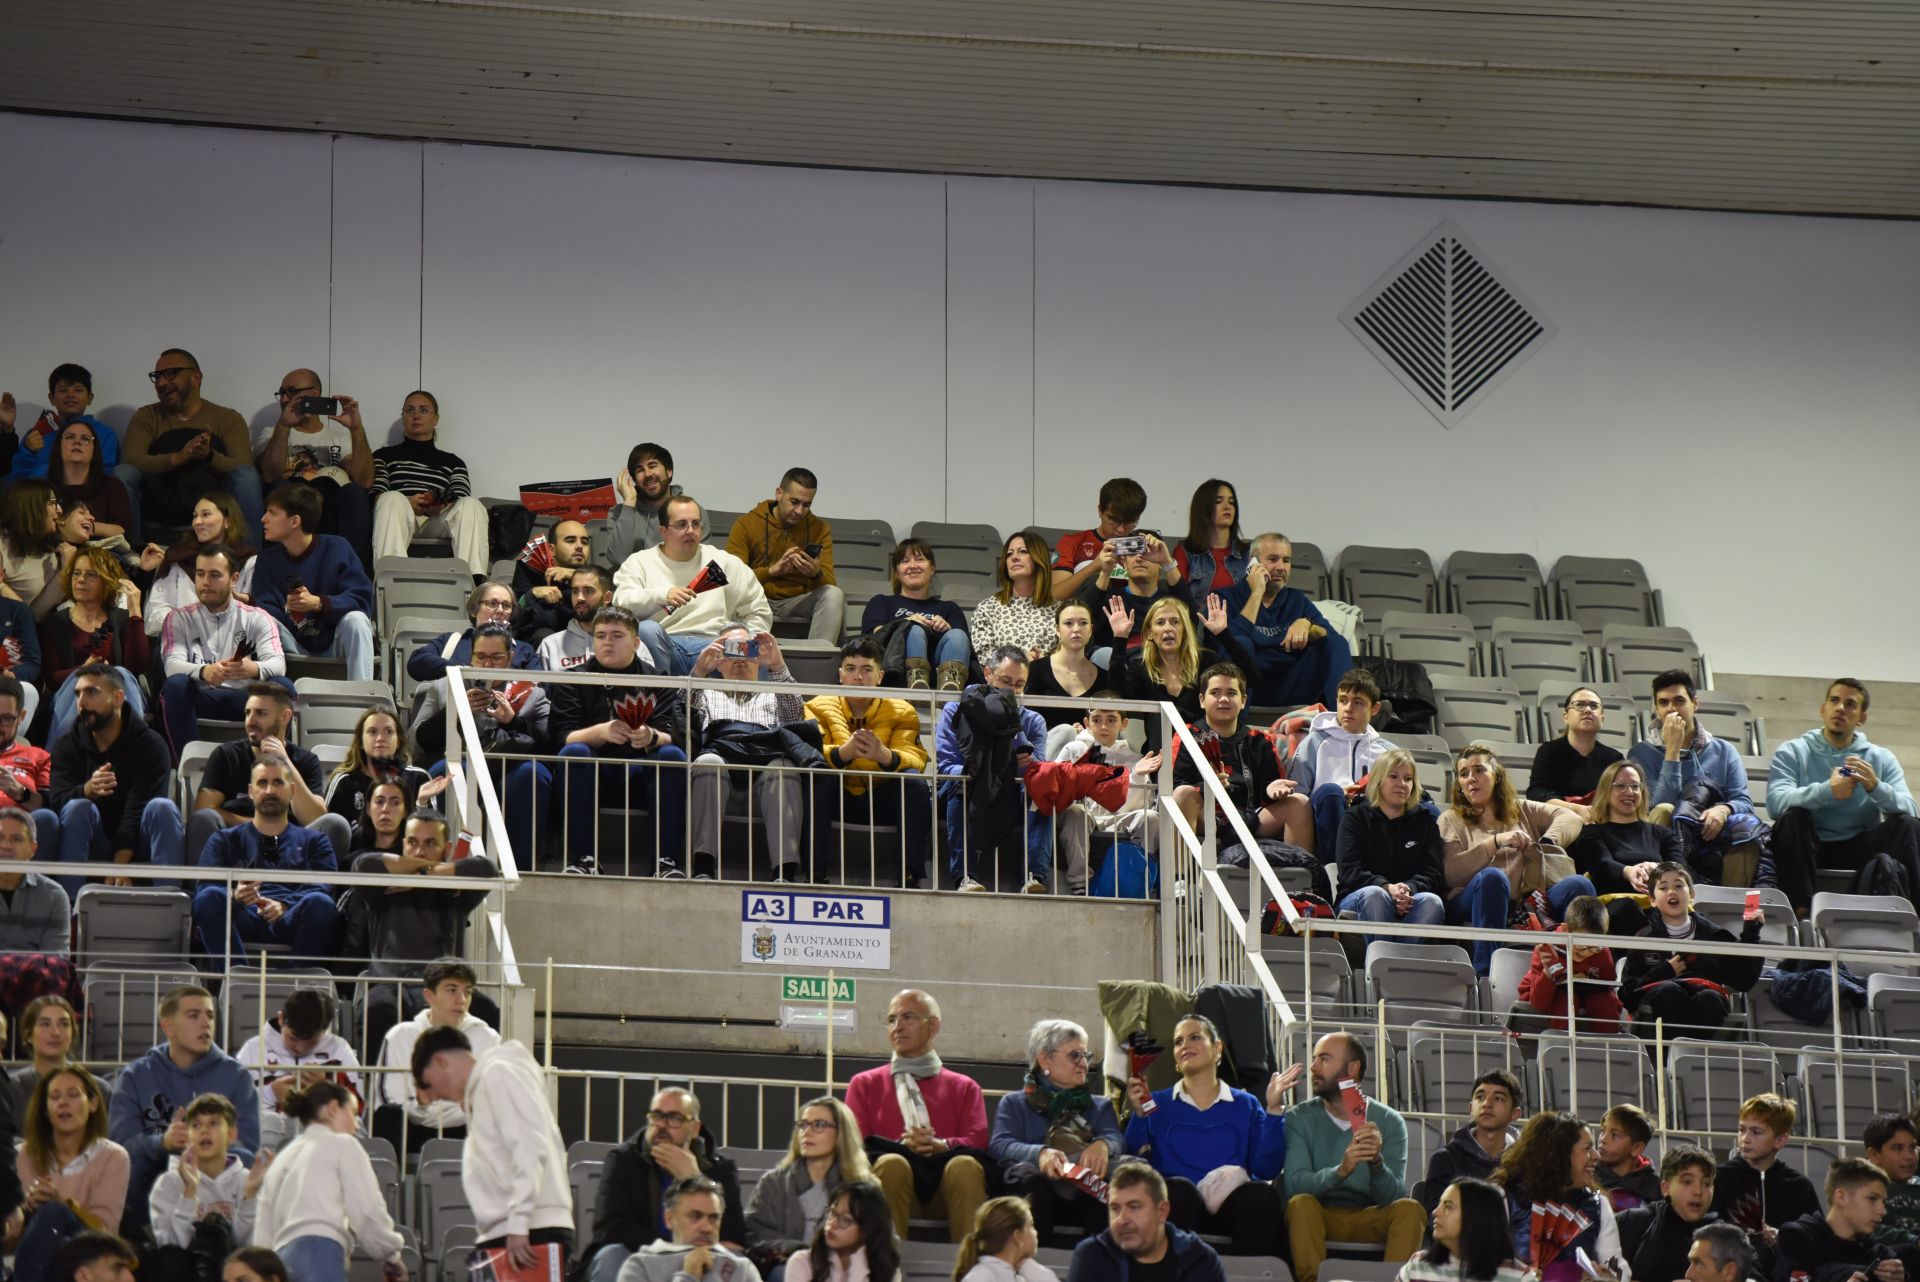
{"x":1346,"y":1174}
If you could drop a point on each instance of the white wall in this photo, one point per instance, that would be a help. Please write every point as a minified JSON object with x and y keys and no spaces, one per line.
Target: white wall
{"x":1730,"y":399}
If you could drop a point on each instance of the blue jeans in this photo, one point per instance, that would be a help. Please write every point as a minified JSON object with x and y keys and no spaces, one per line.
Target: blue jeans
{"x":184,"y":699}
{"x":952,"y":646}
{"x":315,"y":1259}
{"x":307,"y":926}
{"x":64,"y":706}
{"x":1373,"y":903}
{"x":1487,"y":901}
{"x":162,"y":838}
{"x":129,"y":477}
{"x":664,"y":792}
{"x":1329,"y":803}
{"x":971,"y":852}
{"x":46,"y":1231}
{"x":1306,"y":676}
{"x":244,"y":481}
{"x":352,"y":641}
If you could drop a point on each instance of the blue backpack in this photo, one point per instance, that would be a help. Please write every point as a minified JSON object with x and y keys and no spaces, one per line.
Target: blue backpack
{"x":1128,"y":873}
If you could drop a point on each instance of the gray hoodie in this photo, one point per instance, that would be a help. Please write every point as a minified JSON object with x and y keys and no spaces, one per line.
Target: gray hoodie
{"x":665,"y":1262}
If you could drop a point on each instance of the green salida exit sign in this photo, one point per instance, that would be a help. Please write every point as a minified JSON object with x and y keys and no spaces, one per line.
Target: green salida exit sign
{"x":813,"y":988}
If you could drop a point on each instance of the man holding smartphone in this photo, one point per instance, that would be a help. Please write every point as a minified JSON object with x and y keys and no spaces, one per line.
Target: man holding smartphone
{"x":320,"y":440}
{"x":791,"y":552}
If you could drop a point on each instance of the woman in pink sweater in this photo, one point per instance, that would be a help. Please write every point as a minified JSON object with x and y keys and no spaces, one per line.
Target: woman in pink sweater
{"x":74,"y":1176}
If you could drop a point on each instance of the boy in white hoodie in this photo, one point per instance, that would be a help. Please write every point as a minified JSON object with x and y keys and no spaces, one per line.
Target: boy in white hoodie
{"x":1339,"y":749}
{"x":449,"y":994}
{"x":514,"y":1169}
{"x":301,"y":1036}
{"x":204,"y":1202}
{"x":1074,"y":826}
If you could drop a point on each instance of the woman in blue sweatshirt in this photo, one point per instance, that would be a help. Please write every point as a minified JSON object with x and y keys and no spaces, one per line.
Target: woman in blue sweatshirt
{"x":1204,"y":1135}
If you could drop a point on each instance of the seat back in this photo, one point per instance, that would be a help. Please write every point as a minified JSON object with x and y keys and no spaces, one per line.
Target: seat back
{"x":586,"y":1178}
{"x":248,"y":999}
{"x":1508,"y":968}
{"x":1486,"y":586}
{"x":131,"y":926}
{"x":1327,"y":981}
{"x":1590,"y":1076}
{"x":1620,"y":723}
{"x":1443,"y":1059}
{"x":1420,"y":981}
{"x":1465,"y":715}
{"x":423,"y":587}
{"x":1530,"y":651}
{"x":1870,"y":1084}
{"x":945,"y":536}
{"x":1596,"y":591}
{"x":1728,"y":719}
{"x":1635,"y":654}
{"x":408,"y":633}
{"x":1381,"y":579}
{"x":123,"y":1008}
{"x":1438,"y":642}
{"x":1311,"y":571}
{"x":1708,"y":1080}
{"x":329,"y":710}
{"x":1893,"y":1005}
{"x":1726,"y":906}
{"x":1870,"y":923}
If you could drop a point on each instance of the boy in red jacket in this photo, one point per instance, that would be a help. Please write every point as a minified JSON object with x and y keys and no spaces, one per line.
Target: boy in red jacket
{"x":1549,"y":985}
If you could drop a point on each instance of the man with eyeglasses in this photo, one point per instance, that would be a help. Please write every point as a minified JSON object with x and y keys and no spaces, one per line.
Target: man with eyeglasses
{"x":632,"y":1210}
{"x":1697,"y":783}
{"x":678,"y":618}
{"x":1567,"y":770}
{"x":329,"y":452}
{"x":183,"y":445}
{"x":927,"y":1123}
{"x":489,"y":602}
{"x":861,"y":733}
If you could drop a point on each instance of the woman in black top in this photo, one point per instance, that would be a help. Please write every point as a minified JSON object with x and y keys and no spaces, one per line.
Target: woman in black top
{"x":383,"y":819}
{"x":378,"y":751}
{"x":1168,"y":664}
{"x":1392,"y":862}
{"x":1565,"y":770}
{"x":1067,"y":673}
{"x":1618,"y":849}
{"x":936,"y":629}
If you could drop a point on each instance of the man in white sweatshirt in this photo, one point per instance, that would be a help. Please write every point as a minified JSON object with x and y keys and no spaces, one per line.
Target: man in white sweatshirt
{"x":213,"y":650}
{"x":678,"y":620}
{"x":514,"y":1169}
{"x":1337,"y":753}
{"x":449,"y":995}
{"x":694,"y":1207}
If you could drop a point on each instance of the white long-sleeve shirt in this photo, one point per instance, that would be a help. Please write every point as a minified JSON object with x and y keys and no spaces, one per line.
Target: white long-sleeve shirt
{"x":643,"y":580}
{"x":194,"y":636}
{"x":323,"y":1185}
{"x":514,"y":1169}
{"x":174,"y":1213}
{"x":397,"y":1052}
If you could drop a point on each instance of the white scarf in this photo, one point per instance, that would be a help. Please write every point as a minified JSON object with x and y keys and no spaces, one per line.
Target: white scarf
{"x":906,"y":1087}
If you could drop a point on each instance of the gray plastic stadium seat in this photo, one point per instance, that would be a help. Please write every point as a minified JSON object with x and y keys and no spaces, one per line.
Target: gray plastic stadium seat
{"x":132,"y":926}
{"x":1893,"y":1006}
{"x":1332,"y":974}
{"x":1466,"y":709}
{"x":1508,"y":968}
{"x":943,"y":535}
{"x":1530,"y":651}
{"x":1443,"y":1058}
{"x":1438,"y":642}
{"x":586,"y":1178}
{"x":328,"y":710}
{"x":812,"y":662}
{"x":1486,"y":586}
{"x":1620,"y":723}
{"x":1726,"y":906}
{"x":1867,"y":922}
{"x":1420,"y":981}
{"x":1380,"y":579}
{"x":123,"y":1008}
{"x":1707,"y":1081}
{"x":1731,"y":720}
{"x":1633,"y":655}
{"x":244,"y":998}
{"x":1310,"y":570}
{"x":419,"y":587}
{"x":1596,"y":591}
{"x":1874,"y":1084}
{"x":1611,"y":1070}
{"x":719,"y":525}
{"x":408,"y":633}
{"x":964,"y":590}
{"x":1773,"y":1027}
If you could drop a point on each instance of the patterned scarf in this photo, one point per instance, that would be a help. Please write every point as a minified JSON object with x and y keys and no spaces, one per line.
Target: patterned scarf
{"x":1067,"y":1111}
{"x":906,"y":1088}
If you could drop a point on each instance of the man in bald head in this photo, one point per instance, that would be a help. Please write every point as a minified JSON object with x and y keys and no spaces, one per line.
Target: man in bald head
{"x":324,"y":445}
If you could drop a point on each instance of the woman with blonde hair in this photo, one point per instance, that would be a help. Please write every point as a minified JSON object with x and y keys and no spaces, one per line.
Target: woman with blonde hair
{"x":74,"y":1177}
{"x":1172,"y":656}
{"x":791,"y":1200}
{"x":1020,"y":614}
{"x":1391,"y":860}
{"x":1619,"y":848}
{"x":99,"y":623}
{"x":1493,"y":841}
{"x":1001,"y":1246}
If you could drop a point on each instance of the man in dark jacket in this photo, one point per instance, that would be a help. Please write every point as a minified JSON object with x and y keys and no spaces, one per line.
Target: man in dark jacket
{"x":1139,"y":1244}
{"x":1655,"y":1238}
{"x":298,"y":914}
{"x":631,"y":1208}
{"x":110,"y":780}
{"x":1839,"y":1246}
{"x":1476,"y":1148}
{"x":632,"y":729}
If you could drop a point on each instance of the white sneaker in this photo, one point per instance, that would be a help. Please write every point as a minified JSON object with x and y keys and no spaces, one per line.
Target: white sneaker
{"x":968,"y":883}
{"x":1034,"y":886}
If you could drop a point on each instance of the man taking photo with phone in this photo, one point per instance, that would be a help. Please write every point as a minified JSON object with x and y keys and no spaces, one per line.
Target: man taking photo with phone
{"x":320,"y":440}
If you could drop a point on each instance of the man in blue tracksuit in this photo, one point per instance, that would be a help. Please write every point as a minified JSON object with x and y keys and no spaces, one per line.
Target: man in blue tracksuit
{"x":148,"y":1114}
{"x":1838,"y":801}
{"x":299,"y":914}
{"x":1297,"y":656}
{"x":1139,"y":1245}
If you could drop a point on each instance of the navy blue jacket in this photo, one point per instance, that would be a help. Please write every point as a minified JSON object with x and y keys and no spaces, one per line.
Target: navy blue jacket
{"x":298,"y":848}
{"x":1100,"y":1259}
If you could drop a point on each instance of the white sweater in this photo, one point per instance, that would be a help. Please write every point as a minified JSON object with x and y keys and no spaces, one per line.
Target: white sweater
{"x":323,"y":1185}
{"x":643,"y":580}
{"x":514,"y":1169}
{"x":397,"y":1052}
{"x":174,"y":1213}
{"x":991,"y":1268}
{"x":267,"y":1055}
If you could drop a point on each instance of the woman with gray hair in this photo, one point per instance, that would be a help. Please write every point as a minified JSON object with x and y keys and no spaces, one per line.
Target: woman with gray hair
{"x":1055,"y":1123}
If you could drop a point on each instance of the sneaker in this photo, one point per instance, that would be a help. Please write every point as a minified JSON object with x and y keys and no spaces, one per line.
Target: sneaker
{"x":703,"y":876}
{"x":1034,"y":886}
{"x":968,"y":883}
{"x":671,"y":872}
{"x":787,"y":875}
{"x":585,"y":867}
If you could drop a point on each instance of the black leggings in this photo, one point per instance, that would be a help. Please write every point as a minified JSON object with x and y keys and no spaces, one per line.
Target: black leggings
{"x":1687,"y":1009}
{"x":1052,"y":1210}
{"x":1252,"y":1217}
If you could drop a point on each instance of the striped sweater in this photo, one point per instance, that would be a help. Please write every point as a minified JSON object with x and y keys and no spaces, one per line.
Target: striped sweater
{"x":420,"y":467}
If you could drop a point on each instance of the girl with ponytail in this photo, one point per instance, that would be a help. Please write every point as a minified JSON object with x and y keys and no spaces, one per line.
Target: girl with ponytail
{"x":322,"y":1195}
{"x":1001,"y":1246}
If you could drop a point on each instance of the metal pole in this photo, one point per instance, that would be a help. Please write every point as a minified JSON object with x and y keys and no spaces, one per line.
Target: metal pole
{"x":829,"y":1032}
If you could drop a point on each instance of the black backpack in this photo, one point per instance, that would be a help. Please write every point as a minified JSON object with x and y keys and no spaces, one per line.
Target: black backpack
{"x":1406,"y":691}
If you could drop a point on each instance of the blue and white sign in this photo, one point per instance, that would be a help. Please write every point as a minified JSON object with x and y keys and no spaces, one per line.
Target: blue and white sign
{"x":783,"y":927}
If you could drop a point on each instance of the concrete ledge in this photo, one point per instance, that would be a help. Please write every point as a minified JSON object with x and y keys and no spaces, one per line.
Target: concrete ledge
{"x":995,"y":962}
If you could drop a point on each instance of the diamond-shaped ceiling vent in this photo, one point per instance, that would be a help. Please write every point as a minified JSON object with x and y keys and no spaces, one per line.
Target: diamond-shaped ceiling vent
{"x":1447,"y":324}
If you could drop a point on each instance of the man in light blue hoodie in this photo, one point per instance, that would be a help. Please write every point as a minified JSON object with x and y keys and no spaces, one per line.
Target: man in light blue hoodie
{"x":148,"y":1116}
{"x":1838,"y":801}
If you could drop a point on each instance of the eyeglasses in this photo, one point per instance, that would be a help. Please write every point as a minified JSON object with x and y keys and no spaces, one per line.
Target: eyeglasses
{"x":417,"y":409}
{"x":841,"y":1220}
{"x":1585,"y":705}
{"x":1077,"y":1057}
{"x":288,"y":393}
{"x":684,"y":526}
{"x":170,"y":373}
{"x":667,"y":1119}
{"x":817,"y":1125}
{"x":1625,"y":785}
